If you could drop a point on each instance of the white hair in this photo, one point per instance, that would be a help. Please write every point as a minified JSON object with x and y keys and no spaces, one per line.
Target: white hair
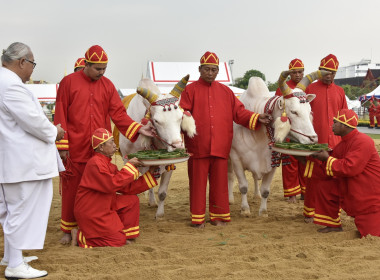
{"x":15,"y":51}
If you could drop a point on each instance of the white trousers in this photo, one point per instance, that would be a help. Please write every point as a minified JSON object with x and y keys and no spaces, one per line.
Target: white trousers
{"x":24,"y":213}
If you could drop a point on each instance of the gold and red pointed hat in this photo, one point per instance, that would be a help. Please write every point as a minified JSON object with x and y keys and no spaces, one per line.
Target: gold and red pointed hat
{"x":347,"y":117}
{"x":296,"y":64}
{"x":80,"y":63}
{"x":100,"y":136}
{"x":330,"y":62}
{"x":96,"y":54}
{"x":210,"y":58}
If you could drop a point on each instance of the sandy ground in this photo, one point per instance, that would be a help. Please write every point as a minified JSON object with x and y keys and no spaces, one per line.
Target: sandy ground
{"x":280,"y":246}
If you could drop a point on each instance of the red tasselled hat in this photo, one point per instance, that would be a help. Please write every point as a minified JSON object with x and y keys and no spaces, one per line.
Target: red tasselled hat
{"x":96,"y":54}
{"x":100,"y":136}
{"x":330,"y":62}
{"x":296,"y":64}
{"x":347,"y":117}
{"x":210,"y":58}
{"x":80,"y":63}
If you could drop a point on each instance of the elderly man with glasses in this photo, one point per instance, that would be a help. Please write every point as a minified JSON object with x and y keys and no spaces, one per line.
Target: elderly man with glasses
{"x":29,"y":161}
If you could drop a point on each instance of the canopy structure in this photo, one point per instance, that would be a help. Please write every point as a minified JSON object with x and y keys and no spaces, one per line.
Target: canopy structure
{"x":167,"y":74}
{"x":44,"y":92}
{"x":352,"y":104}
{"x":373,"y":94}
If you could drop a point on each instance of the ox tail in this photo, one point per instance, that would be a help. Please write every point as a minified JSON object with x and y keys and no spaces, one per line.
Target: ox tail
{"x":116,"y":133}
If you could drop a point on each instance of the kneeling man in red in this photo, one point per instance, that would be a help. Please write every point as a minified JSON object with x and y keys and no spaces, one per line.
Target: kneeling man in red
{"x":352,"y":179}
{"x":107,"y":208}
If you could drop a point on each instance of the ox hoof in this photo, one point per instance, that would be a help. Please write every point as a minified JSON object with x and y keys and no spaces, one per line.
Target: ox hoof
{"x":152,"y":204}
{"x":263,"y":214}
{"x":159,"y":218}
{"x":245,"y":212}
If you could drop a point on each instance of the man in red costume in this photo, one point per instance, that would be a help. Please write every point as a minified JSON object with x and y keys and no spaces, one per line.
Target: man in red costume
{"x":377,"y":114}
{"x":79,"y":64}
{"x":293,"y":180}
{"x":214,"y":108}
{"x":107,"y":208}
{"x":372,"y":114}
{"x":85,"y":101}
{"x":352,"y":175}
{"x":329,"y":99}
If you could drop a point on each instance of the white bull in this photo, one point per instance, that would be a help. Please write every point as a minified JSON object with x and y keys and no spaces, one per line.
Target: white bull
{"x":251,"y":150}
{"x":168,"y":119}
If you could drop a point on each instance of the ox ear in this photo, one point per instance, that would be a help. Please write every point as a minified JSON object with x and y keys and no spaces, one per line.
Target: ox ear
{"x":310,"y":97}
{"x":188,"y":125}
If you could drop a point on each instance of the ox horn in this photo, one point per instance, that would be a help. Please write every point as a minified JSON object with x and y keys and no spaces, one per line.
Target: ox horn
{"x":308,"y":79}
{"x":147,"y":94}
{"x":180,"y":86}
{"x":282,"y":85}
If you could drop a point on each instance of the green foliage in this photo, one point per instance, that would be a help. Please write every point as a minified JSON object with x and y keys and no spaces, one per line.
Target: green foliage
{"x":242,"y":82}
{"x":272,"y":86}
{"x":353,"y":92}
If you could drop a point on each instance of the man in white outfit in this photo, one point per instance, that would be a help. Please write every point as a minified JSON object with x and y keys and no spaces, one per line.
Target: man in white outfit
{"x":28,"y":162}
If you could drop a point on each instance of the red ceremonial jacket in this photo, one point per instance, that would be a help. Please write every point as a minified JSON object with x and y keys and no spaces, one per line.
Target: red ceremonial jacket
{"x":83,"y":106}
{"x":214,"y":108}
{"x":372,"y":110}
{"x":355,"y":165}
{"x":290,"y":83}
{"x":377,"y":111}
{"x":95,"y":203}
{"x":328,"y":101}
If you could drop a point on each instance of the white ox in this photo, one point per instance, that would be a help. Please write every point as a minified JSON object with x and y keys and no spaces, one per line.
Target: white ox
{"x":168,"y":119}
{"x":251,"y":150}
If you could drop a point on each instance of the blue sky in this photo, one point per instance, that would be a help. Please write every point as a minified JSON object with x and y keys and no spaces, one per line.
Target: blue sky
{"x":262,"y":35}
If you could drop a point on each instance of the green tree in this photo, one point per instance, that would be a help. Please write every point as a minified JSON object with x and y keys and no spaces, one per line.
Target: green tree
{"x":242,"y":82}
{"x":353,"y":92}
{"x":272,"y":86}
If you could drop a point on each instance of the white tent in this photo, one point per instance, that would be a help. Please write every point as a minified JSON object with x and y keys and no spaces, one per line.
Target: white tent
{"x":351,"y":104}
{"x":44,"y":92}
{"x":375,"y":93}
{"x":169,"y":73}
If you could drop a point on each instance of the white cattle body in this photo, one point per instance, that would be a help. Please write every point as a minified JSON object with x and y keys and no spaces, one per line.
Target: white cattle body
{"x":251,"y":150}
{"x":168,"y":119}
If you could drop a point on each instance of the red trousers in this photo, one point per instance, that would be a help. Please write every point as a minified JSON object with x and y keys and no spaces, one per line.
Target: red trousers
{"x":214,"y":169}
{"x":128,"y":210}
{"x":293,"y":181}
{"x":117,"y":239}
{"x":378,"y":121}
{"x":309,"y":197}
{"x":371,"y":120}
{"x":368,"y":224}
{"x":327,"y":204}
{"x":69,"y":181}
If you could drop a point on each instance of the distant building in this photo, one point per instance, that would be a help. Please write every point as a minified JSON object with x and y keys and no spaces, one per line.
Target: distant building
{"x":358,"y":69}
{"x":361,"y":74}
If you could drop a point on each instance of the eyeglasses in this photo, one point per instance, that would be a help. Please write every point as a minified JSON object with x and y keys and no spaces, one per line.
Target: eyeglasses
{"x":34,"y":64}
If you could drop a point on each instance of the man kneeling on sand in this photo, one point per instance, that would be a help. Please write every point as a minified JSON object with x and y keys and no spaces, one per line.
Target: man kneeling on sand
{"x":107,"y":208}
